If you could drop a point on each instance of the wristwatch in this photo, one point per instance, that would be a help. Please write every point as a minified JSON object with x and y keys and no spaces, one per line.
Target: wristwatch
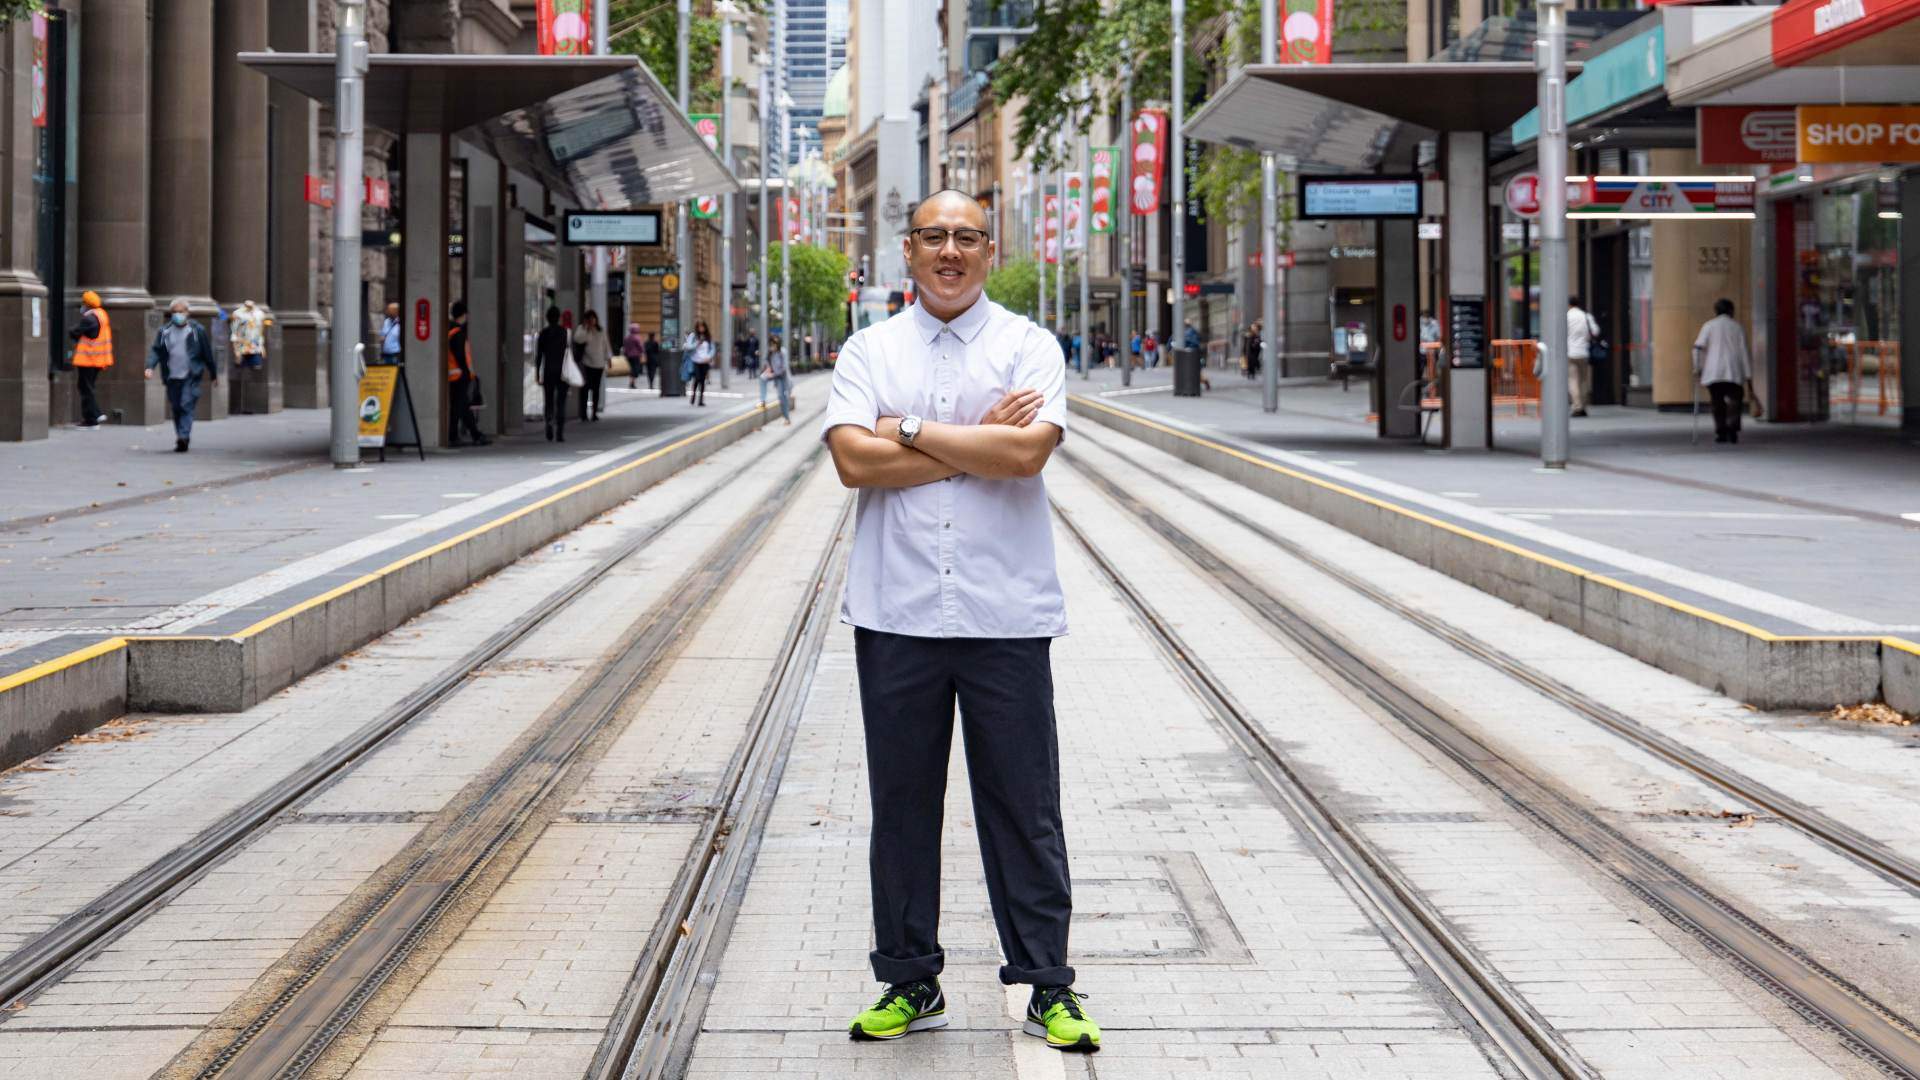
{"x":909,"y":429}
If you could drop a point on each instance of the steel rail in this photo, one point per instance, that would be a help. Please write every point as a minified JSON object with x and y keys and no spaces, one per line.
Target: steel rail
{"x":1525,"y":1038}
{"x":1811,"y":990}
{"x":1844,"y":840}
{"x":656,"y":1019}
{"x":47,"y":958}
{"x":291,"y":1032}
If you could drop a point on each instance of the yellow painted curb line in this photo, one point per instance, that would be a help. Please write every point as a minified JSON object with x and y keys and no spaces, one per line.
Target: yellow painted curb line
{"x":109,"y":645}
{"x":1512,"y":549}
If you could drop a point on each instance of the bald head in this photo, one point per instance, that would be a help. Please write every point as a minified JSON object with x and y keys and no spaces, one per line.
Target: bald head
{"x":944,"y":200}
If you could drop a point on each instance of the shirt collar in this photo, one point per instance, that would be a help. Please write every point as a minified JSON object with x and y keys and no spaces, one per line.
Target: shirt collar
{"x":965,"y":327}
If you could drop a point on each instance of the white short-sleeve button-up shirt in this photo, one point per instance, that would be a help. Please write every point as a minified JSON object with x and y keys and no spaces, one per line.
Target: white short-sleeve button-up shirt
{"x":963,"y":557}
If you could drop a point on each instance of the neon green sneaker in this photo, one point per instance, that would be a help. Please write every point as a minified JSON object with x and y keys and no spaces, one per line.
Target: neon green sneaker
{"x":904,"y":1008}
{"x":1054,"y":1014}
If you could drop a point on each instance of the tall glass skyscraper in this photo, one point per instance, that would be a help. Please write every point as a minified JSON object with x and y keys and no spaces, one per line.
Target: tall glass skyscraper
{"x":816,"y":46}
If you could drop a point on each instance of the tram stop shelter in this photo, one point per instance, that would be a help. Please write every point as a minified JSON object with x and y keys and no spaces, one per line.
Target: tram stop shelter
{"x":1370,"y":118}
{"x":530,"y":138}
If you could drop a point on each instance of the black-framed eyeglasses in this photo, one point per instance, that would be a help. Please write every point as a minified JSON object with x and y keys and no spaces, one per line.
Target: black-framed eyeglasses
{"x":933,"y":238}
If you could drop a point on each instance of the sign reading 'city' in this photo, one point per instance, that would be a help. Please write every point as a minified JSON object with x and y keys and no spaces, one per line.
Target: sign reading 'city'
{"x":1306,"y":32}
{"x":1103,"y":158}
{"x":564,"y":27}
{"x":1652,"y":197}
{"x":1149,"y":142}
{"x":1359,"y":196}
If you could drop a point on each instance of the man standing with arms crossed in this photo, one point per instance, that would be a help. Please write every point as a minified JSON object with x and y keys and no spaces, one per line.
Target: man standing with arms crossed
{"x":943,"y":417}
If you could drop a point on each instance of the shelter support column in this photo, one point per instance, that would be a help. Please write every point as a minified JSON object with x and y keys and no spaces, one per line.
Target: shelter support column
{"x":26,"y":318}
{"x":1468,"y":415}
{"x":1910,"y":306}
{"x":240,"y":176}
{"x":113,"y":207}
{"x":424,"y":240}
{"x":485,"y":299}
{"x":1398,"y":330}
{"x":510,"y":394}
{"x":181,"y":257}
{"x":291,"y":229}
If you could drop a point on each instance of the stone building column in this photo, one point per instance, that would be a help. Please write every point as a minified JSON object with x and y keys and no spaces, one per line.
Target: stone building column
{"x":302,"y":361}
{"x":240,"y":173}
{"x":112,"y":204}
{"x":25,"y":316}
{"x":180,"y":257}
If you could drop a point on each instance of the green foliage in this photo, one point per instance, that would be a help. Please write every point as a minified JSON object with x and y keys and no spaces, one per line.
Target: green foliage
{"x":1015,"y":285}
{"x":819,"y":286}
{"x":11,"y":10}
{"x":650,"y":30}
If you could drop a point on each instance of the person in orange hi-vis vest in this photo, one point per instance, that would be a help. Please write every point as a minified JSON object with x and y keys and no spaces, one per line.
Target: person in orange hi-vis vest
{"x":92,"y":338}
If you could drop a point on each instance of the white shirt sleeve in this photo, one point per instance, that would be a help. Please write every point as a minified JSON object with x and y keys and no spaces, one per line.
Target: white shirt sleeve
{"x":1044,"y":368}
{"x":851,"y":399}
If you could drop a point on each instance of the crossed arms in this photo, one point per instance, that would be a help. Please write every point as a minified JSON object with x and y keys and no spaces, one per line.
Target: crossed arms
{"x":1006,"y":443}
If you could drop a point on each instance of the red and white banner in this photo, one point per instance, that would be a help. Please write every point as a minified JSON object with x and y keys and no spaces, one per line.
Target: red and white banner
{"x":39,"y":69}
{"x":1148,"y":145}
{"x":1076,"y":207}
{"x":788,"y":211}
{"x":1744,"y":134}
{"x":1306,"y":32}
{"x":1803,"y":29}
{"x":1104,"y":159}
{"x":1052,"y":216}
{"x":564,"y":27}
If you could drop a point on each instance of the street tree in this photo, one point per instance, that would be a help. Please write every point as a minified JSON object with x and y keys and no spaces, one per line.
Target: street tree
{"x":819,"y":286}
{"x":650,"y":30}
{"x":1015,"y":285}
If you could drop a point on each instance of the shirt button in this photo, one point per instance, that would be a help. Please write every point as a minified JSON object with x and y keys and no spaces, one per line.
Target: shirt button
{"x":948,"y":525}
{"x":949,"y":571}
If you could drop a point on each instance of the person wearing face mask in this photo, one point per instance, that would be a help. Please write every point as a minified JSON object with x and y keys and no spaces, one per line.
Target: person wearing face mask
{"x":183,"y":354}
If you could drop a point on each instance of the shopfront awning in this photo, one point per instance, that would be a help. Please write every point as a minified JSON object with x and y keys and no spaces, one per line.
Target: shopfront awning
{"x":599,"y":130}
{"x":1342,"y":117}
{"x":1807,"y":52}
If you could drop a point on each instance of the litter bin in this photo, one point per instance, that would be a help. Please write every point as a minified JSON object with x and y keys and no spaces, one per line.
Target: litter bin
{"x":1186,"y":373}
{"x":671,"y":384}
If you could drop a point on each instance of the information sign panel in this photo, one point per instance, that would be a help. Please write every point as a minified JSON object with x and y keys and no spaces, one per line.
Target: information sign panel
{"x":605,"y":227}
{"x":1467,"y":331}
{"x":1360,"y":196}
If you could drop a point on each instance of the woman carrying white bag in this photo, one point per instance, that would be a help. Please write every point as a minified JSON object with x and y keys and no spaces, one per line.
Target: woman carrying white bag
{"x":555,"y":370}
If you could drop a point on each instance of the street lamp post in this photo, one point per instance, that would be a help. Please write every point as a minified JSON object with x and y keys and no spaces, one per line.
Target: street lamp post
{"x":343,"y":377}
{"x":766,"y":173}
{"x":1037,"y":212}
{"x":683,"y":230}
{"x":1551,"y":59}
{"x":728,"y":12}
{"x":1178,"y":164}
{"x":597,"y":256}
{"x":1060,"y":253}
{"x":1271,"y":336}
{"x":786,"y":215}
{"x":1083,"y":238}
{"x":1123,"y":216}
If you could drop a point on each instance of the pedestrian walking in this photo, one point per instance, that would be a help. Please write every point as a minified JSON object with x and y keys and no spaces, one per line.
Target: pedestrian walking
{"x":592,"y":353}
{"x":462,"y":382}
{"x":390,"y":334}
{"x":699,"y":348}
{"x":549,"y":370}
{"x":1251,"y":345}
{"x":1721,"y":364}
{"x":653,"y":357}
{"x":1150,"y":349}
{"x":1582,"y":334}
{"x":775,"y":371}
{"x":92,"y":337}
{"x":1190,"y":338}
{"x":953,"y":593}
{"x":1134,"y":347}
{"x":634,"y":348}
{"x":183,"y":354}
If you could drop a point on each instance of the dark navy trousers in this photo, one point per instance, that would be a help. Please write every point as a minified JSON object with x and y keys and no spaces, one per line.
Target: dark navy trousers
{"x":1004,"y":687}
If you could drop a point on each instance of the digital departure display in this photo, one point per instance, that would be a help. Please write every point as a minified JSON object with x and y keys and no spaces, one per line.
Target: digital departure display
{"x":1360,"y":196}
{"x":611,"y":227}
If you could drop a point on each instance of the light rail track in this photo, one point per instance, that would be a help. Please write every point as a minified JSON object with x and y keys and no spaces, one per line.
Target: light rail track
{"x":1840,"y":838}
{"x":1524,"y":1038}
{"x":50,"y":956}
{"x":1817,"y":994}
{"x":291,"y":1032}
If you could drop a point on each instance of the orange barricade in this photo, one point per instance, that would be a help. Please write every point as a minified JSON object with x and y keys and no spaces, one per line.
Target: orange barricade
{"x":1514,"y":382}
{"x":1884,"y":357}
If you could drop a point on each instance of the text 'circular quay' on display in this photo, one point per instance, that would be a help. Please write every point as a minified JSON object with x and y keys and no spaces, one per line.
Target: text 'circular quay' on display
{"x":511,"y":508}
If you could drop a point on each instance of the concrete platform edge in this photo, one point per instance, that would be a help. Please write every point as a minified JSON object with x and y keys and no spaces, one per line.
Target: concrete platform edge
{"x":43,"y":706}
{"x":1763,"y":669}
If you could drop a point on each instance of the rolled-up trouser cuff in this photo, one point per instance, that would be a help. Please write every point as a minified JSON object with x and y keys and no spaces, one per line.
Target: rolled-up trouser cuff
{"x":1051,"y":976}
{"x":894,"y":969}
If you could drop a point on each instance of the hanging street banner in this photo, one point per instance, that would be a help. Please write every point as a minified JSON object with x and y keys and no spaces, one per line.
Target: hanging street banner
{"x":1306,"y":32}
{"x":705,"y":206}
{"x":1149,"y":149}
{"x":707,"y":126}
{"x":1076,"y":206}
{"x":564,"y":27}
{"x":1104,"y":158}
{"x":1651,"y":197}
{"x":1052,"y":212}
